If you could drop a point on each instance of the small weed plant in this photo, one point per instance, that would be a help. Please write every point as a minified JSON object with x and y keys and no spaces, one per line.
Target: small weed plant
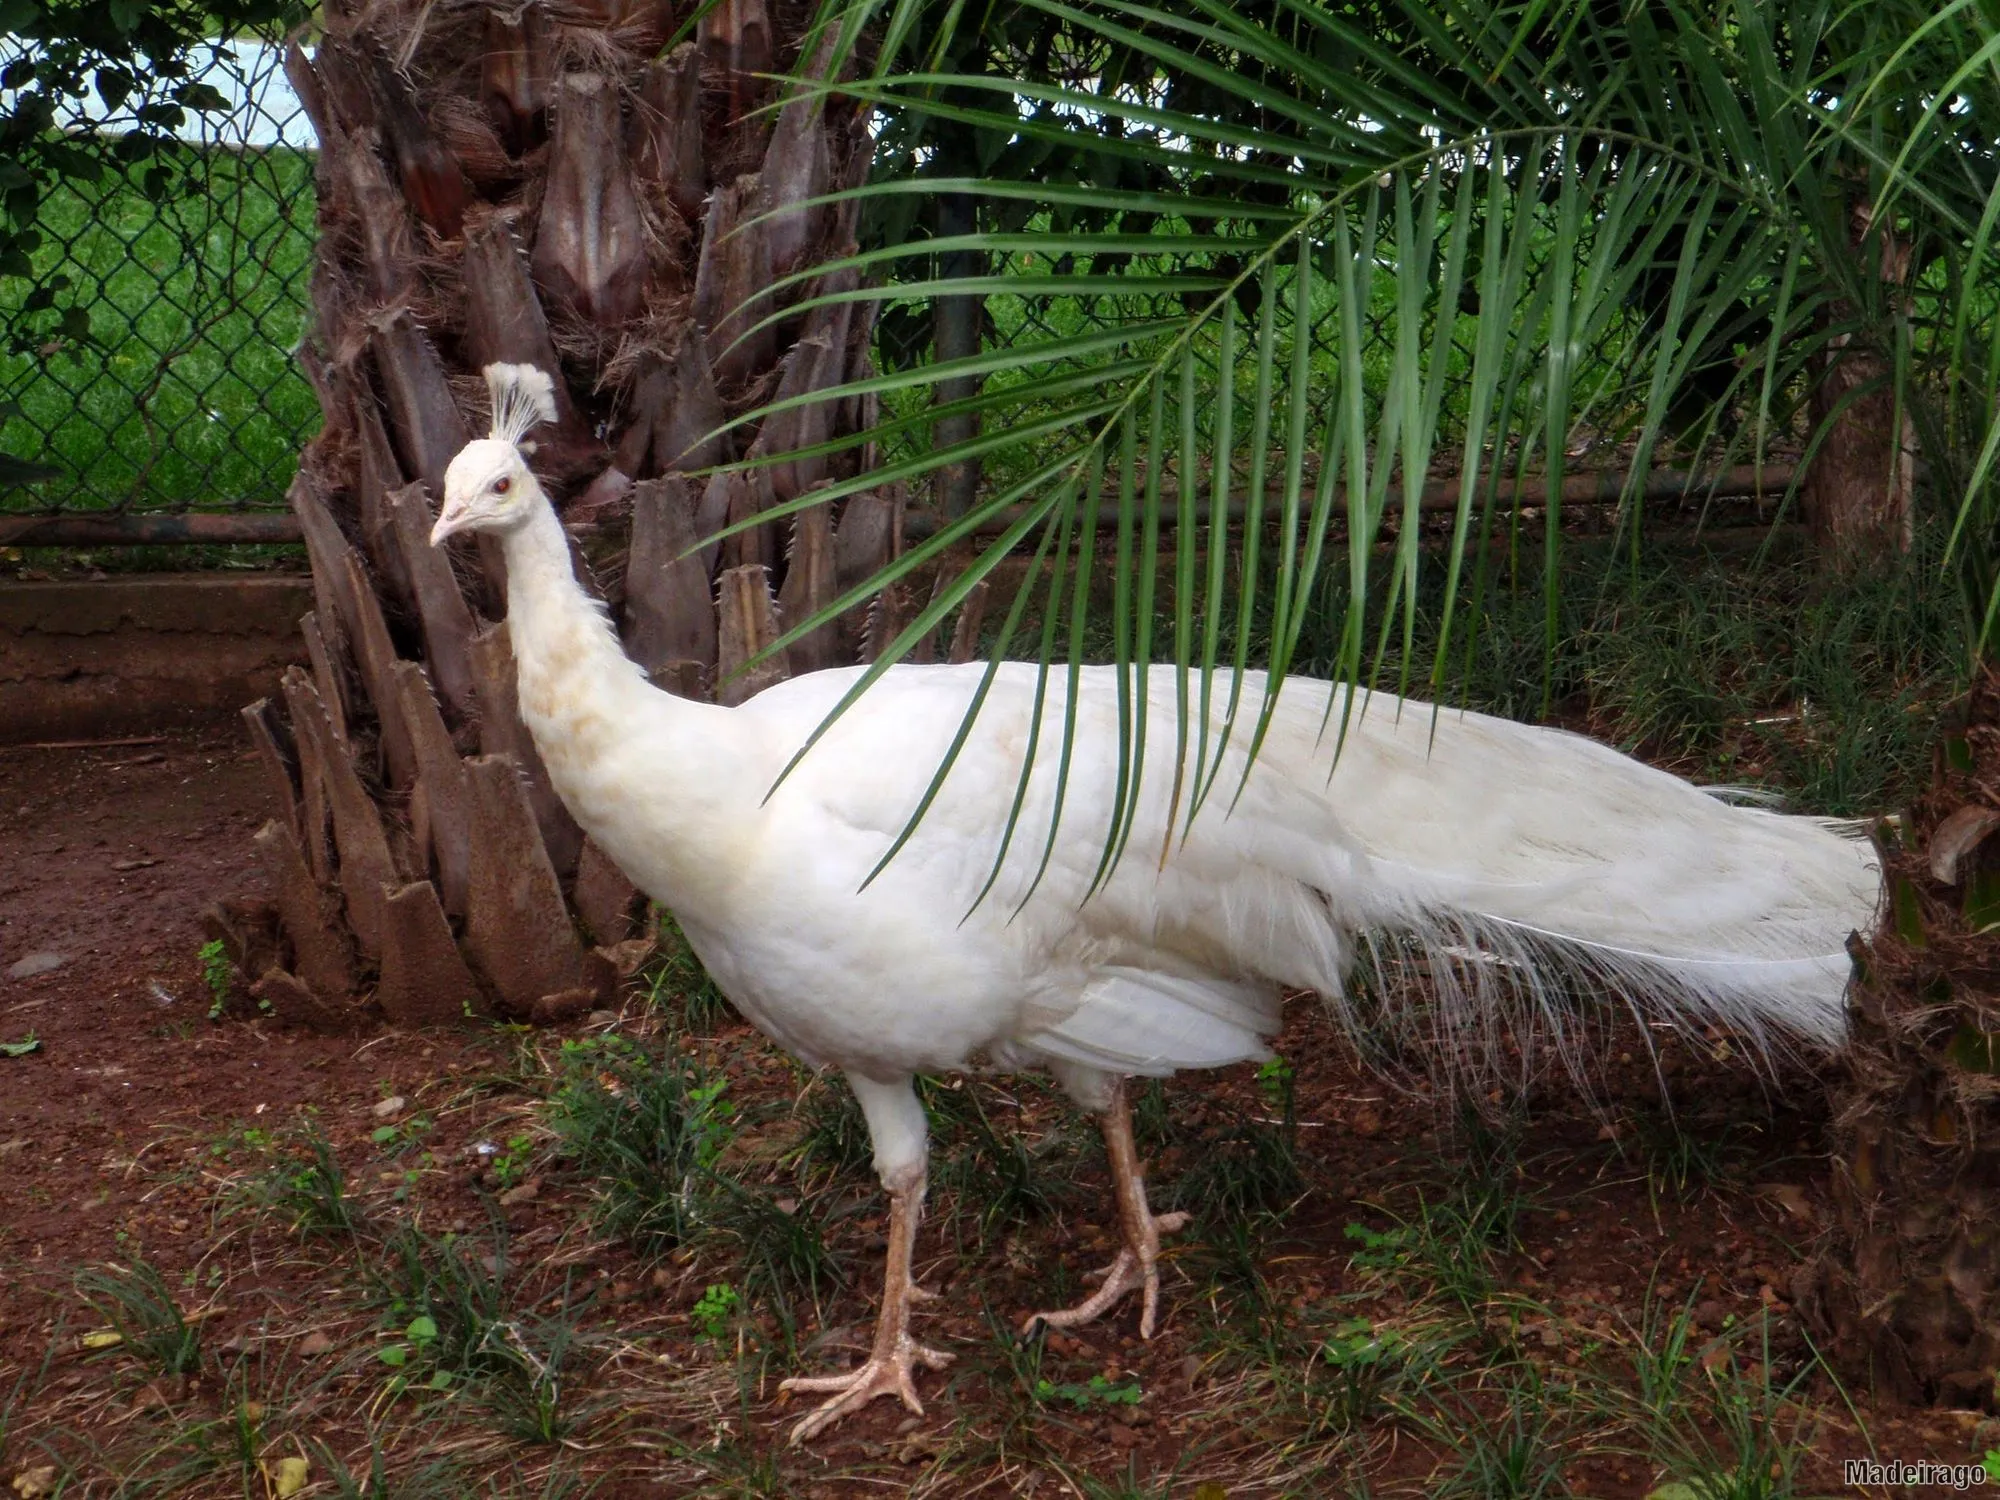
{"x":1099,"y":1390}
{"x":715,"y":1310}
{"x":219,"y":975}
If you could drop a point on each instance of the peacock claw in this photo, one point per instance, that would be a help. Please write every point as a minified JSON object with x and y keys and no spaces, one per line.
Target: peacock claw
{"x":882,"y":1375}
{"x":1137,"y":1269}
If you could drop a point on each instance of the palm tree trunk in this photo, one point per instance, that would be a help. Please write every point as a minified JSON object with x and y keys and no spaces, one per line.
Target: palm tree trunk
{"x":1905,"y":1290}
{"x":536,"y":186}
{"x":1860,"y":493}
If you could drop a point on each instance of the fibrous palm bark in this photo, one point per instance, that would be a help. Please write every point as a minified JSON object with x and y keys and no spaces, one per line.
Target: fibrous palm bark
{"x":549,"y":184}
{"x":1906,"y":1289}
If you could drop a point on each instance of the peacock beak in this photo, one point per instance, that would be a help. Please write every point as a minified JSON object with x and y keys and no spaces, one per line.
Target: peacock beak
{"x":449,"y":520}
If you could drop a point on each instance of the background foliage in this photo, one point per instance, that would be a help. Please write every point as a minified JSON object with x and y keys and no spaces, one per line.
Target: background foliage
{"x":127,"y":66}
{"x":1259,"y":270}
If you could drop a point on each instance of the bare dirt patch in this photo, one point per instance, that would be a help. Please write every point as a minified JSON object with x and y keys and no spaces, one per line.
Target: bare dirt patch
{"x":1374,"y":1293}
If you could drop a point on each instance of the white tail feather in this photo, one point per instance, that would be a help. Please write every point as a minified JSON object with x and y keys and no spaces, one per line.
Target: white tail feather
{"x":1539,"y":883}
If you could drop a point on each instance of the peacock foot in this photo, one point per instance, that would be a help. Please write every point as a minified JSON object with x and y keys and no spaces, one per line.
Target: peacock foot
{"x":890,"y":1374}
{"x":1137,"y":1268}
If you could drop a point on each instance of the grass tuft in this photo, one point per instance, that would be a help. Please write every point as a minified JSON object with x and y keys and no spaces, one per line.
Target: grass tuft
{"x":647,"y":1129}
{"x":140,"y":1307}
{"x":307,"y":1187}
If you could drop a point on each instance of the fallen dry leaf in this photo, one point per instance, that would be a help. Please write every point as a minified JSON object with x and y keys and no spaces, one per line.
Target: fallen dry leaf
{"x":287,"y":1476}
{"x":1791,"y":1198}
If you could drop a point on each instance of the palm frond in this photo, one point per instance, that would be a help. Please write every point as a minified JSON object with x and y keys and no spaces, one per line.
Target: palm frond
{"x":1254,"y":274}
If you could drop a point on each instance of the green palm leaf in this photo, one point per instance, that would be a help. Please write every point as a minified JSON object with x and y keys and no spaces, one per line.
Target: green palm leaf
{"x":1258,"y":273}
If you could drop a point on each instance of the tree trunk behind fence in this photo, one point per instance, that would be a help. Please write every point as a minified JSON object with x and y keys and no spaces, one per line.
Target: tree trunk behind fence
{"x":1859,"y":496}
{"x":537,"y":185}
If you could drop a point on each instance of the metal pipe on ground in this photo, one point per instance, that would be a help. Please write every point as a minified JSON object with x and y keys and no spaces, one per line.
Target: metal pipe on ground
{"x":1595,"y":489}
{"x":1602,"y":488}
{"x":123,"y":530}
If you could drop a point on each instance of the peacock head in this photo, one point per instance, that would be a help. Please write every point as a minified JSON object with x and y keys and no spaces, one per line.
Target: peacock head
{"x":488,"y":485}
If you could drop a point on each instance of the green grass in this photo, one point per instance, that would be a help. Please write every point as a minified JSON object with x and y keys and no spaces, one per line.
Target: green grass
{"x":140,"y":1307}
{"x":1726,"y":667}
{"x":304,"y":1183}
{"x":188,"y":395}
{"x":647,"y":1128}
{"x":1776,"y":674}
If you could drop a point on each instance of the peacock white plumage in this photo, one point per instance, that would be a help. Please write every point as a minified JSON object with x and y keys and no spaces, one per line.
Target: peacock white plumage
{"x":1524,"y":866}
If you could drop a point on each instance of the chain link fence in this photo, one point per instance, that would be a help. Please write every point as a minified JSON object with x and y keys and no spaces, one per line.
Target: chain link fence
{"x":1606,"y":364}
{"x":186,"y":396}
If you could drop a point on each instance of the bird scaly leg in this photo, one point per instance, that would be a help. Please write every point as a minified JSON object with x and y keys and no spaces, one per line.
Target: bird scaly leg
{"x":1137,"y":1266}
{"x":890,"y":1368}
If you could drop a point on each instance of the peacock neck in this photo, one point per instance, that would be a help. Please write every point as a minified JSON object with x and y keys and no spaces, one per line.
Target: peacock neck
{"x":571,"y":670}
{"x":609,"y":738}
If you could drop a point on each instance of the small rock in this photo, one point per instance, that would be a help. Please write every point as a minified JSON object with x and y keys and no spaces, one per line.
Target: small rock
{"x":1791,"y":1198}
{"x":390,"y":1107}
{"x":149,"y":1398}
{"x":602,"y":1018}
{"x":1121,"y":1436}
{"x":19,"y":1143}
{"x":1710,"y":1313}
{"x":626,"y":957}
{"x":527,"y":1192}
{"x":314,"y":1344}
{"x":125,"y":865}
{"x":31,"y":965}
{"x":908,"y":1425}
{"x":1366,"y":1123}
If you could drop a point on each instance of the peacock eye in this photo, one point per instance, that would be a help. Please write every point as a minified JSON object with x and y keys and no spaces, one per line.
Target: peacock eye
{"x":502,"y":485}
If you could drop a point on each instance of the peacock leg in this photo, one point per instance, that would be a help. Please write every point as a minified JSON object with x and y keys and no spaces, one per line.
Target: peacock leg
{"x":891,"y":1366}
{"x":1137,"y":1267}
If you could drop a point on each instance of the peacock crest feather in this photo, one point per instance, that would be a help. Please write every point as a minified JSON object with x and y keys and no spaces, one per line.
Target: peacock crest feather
{"x":523,"y":398}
